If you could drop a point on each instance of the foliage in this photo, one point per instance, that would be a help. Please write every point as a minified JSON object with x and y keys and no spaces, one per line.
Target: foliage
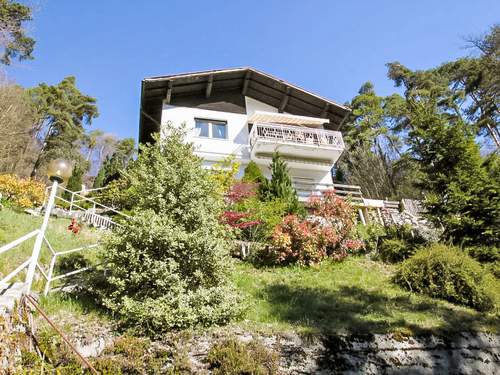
{"x":395,"y":250}
{"x":167,"y":267}
{"x":280,"y":185}
{"x":446,"y":272}
{"x":264,"y":217}
{"x":224,"y":172}
{"x":462,"y":197}
{"x":24,"y":192}
{"x":118,"y":194}
{"x":234,"y":357}
{"x":374,"y":157}
{"x":337,"y":212}
{"x":113,"y":166}
{"x":399,"y":243}
{"x":252,"y":173}
{"x":17,"y":126}
{"x":484,"y":254}
{"x":63,"y":111}
{"x":370,"y":234}
{"x":13,"y":39}
{"x":241,"y":191}
{"x":328,"y":232}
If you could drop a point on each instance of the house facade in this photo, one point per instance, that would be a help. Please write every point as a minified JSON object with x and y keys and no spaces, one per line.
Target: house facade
{"x":251,"y":115}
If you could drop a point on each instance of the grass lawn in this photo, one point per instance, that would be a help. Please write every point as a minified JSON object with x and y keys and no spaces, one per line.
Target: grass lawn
{"x":353,"y":296}
{"x":14,"y":224}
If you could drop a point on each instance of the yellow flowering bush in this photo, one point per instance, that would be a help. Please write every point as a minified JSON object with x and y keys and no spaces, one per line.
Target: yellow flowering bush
{"x":24,"y":192}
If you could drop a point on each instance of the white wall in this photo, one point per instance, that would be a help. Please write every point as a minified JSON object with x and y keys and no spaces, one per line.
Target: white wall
{"x":212,"y":149}
{"x":237,"y":143}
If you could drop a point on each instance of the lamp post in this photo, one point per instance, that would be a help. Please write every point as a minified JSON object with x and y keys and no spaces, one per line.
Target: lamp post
{"x":58,"y":171}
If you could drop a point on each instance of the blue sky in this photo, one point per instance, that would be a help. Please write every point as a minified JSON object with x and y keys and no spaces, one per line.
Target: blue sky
{"x":328,"y":47}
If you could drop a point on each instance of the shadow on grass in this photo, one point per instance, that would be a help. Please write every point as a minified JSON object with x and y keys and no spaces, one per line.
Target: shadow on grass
{"x":354,"y":310}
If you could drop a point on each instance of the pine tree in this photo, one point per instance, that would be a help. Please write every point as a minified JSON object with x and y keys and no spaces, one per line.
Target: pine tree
{"x":280,"y":185}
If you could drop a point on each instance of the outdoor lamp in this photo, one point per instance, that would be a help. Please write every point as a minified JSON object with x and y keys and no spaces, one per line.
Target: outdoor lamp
{"x":59,"y":170}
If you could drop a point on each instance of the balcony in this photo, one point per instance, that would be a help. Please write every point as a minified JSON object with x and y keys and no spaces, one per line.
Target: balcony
{"x":302,"y":147}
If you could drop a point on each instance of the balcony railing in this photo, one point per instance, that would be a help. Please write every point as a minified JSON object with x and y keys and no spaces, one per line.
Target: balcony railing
{"x":295,"y":134}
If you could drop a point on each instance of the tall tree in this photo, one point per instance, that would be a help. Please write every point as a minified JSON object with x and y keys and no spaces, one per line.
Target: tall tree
{"x":461,"y":194}
{"x":468,"y":88}
{"x":374,"y":158}
{"x":13,"y":39}
{"x":64,"y":111}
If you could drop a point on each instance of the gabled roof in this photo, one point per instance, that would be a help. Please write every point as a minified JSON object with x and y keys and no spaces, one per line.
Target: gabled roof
{"x":243,"y":81}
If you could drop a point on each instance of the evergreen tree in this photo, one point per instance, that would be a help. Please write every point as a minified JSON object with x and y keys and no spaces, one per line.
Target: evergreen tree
{"x":252,"y":173}
{"x":13,"y":39}
{"x":63,"y":112}
{"x":280,"y":185}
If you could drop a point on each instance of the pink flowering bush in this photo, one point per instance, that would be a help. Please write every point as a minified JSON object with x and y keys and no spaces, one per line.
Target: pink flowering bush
{"x":309,"y":241}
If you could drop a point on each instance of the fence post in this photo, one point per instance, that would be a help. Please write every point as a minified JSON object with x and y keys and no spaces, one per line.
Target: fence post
{"x":49,"y":275}
{"x":39,"y":238}
{"x":71,"y":203}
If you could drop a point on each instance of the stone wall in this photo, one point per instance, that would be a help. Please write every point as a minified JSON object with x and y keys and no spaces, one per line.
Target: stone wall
{"x":463,"y":353}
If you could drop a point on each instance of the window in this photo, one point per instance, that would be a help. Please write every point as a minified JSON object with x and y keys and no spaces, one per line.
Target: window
{"x":211,"y":129}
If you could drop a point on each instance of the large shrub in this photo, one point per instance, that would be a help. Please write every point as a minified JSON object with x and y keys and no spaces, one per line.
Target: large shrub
{"x":167,"y":267}
{"x":446,"y":272}
{"x":24,"y":192}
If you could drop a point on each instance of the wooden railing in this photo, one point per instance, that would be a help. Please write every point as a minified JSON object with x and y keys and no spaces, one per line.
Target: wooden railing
{"x":295,"y":134}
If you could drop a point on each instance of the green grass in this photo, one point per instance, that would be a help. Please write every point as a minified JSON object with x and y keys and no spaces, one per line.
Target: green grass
{"x":354,"y":296}
{"x":14,"y":224}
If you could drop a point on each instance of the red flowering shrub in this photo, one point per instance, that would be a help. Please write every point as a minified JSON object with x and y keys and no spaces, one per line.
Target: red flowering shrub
{"x":236,"y":219}
{"x":309,"y":241}
{"x":240,"y":191}
{"x":335,"y":210}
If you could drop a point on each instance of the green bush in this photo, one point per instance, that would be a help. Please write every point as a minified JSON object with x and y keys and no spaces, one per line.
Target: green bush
{"x":484,"y":254}
{"x":395,"y":250}
{"x":399,"y":243}
{"x":168,"y":266}
{"x":252,"y":173}
{"x":234,"y":357}
{"x":269,"y":214}
{"x":446,"y":272}
{"x":370,"y":234}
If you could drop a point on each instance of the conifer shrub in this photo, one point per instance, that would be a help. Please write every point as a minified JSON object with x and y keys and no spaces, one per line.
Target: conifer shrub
{"x":168,"y":266}
{"x":446,"y":272}
{"x":280,"y":186}
{"x":253,"y":173}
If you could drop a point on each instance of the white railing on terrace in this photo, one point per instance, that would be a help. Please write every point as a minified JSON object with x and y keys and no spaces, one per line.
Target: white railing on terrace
{"x":295,"y":134}
{"x":305,"y":189}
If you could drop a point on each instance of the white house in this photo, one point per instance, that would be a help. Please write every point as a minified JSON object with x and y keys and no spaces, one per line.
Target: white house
{"x":249,"y":114}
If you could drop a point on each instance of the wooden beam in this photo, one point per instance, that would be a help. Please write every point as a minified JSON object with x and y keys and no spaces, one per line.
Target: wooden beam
{"x":284,"y":100}
{"x":246,"y":82}
{"x":324,"y":114}
{"x":169,"y":92}
{"x":209,"y":85}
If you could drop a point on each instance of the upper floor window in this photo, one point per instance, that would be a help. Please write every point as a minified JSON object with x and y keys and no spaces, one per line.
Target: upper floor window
{"x":211,"y":128}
